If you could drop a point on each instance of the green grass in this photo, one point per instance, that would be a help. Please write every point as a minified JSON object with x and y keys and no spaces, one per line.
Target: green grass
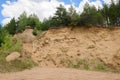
{"x":19,"y":64}
{"x":16,"y":65}
{"x":86,"y":64}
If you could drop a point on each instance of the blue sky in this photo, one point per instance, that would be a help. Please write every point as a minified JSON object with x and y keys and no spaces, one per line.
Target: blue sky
{"x":69,"y":2}
{"x":14,"y":10}
{"x":78,"y":1}
{"x":1,"y":2}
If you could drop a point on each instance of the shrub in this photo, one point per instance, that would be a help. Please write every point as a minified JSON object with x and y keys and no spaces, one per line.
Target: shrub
{"x":11,"y":45}
{"x":35,"y":32}
{"x":17,"y":65}
{"x":91,"y":17}
{"x":3,"y":34}
{"x":87,"y":64}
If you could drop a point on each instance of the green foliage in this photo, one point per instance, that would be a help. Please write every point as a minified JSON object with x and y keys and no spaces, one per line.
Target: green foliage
{"x":22,"y":22}
{"x":91,"y":16}
{"x":46,"y":24}
{"x":12,"y":45}
{"x":14,"y":26}
{"x":74,"y":17}
{"x":17,"y":65}
{"x":3,"y":34}
{"x":7,"y":43}
{"x":36,"y":31}
{"x":111,"y":14}
{"x":33,"y":21}
{"x":61,"y":17}
{"x":9,"y":46}
{"x":87,"y":64}
{"x":11,"y":26}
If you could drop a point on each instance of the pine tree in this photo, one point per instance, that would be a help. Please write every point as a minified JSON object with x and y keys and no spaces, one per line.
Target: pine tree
{"x":33,"y":21}
{"x":22,"y":22}
{"x":90,"y":16}
{"x":74,"y":16}
{"x":11,"y":26}
{"x":61,"y":17}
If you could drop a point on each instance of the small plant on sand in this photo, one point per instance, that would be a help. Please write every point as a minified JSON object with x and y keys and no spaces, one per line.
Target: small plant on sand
{"x":87,"y":64}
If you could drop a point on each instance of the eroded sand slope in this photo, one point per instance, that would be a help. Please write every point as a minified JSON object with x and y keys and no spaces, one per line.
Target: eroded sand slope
{"x":55,"y":45}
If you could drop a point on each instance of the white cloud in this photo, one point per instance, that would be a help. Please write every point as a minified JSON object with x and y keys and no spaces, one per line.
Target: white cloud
{"x":6,"y":20}
{"x":109,"y":1}
{"x":81,"y":5}
{"x":97,"y":4}
{"x":42,"y":8}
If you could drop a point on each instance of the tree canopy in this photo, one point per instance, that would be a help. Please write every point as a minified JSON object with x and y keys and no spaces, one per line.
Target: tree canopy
{"x":107,"y":16}
{"x":16,"y":26}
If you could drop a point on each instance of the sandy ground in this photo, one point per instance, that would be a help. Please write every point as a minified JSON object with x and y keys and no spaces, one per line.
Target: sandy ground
{"x":51,"y":49}
{"x":101,"y":44}
{"x":58,"y":74}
